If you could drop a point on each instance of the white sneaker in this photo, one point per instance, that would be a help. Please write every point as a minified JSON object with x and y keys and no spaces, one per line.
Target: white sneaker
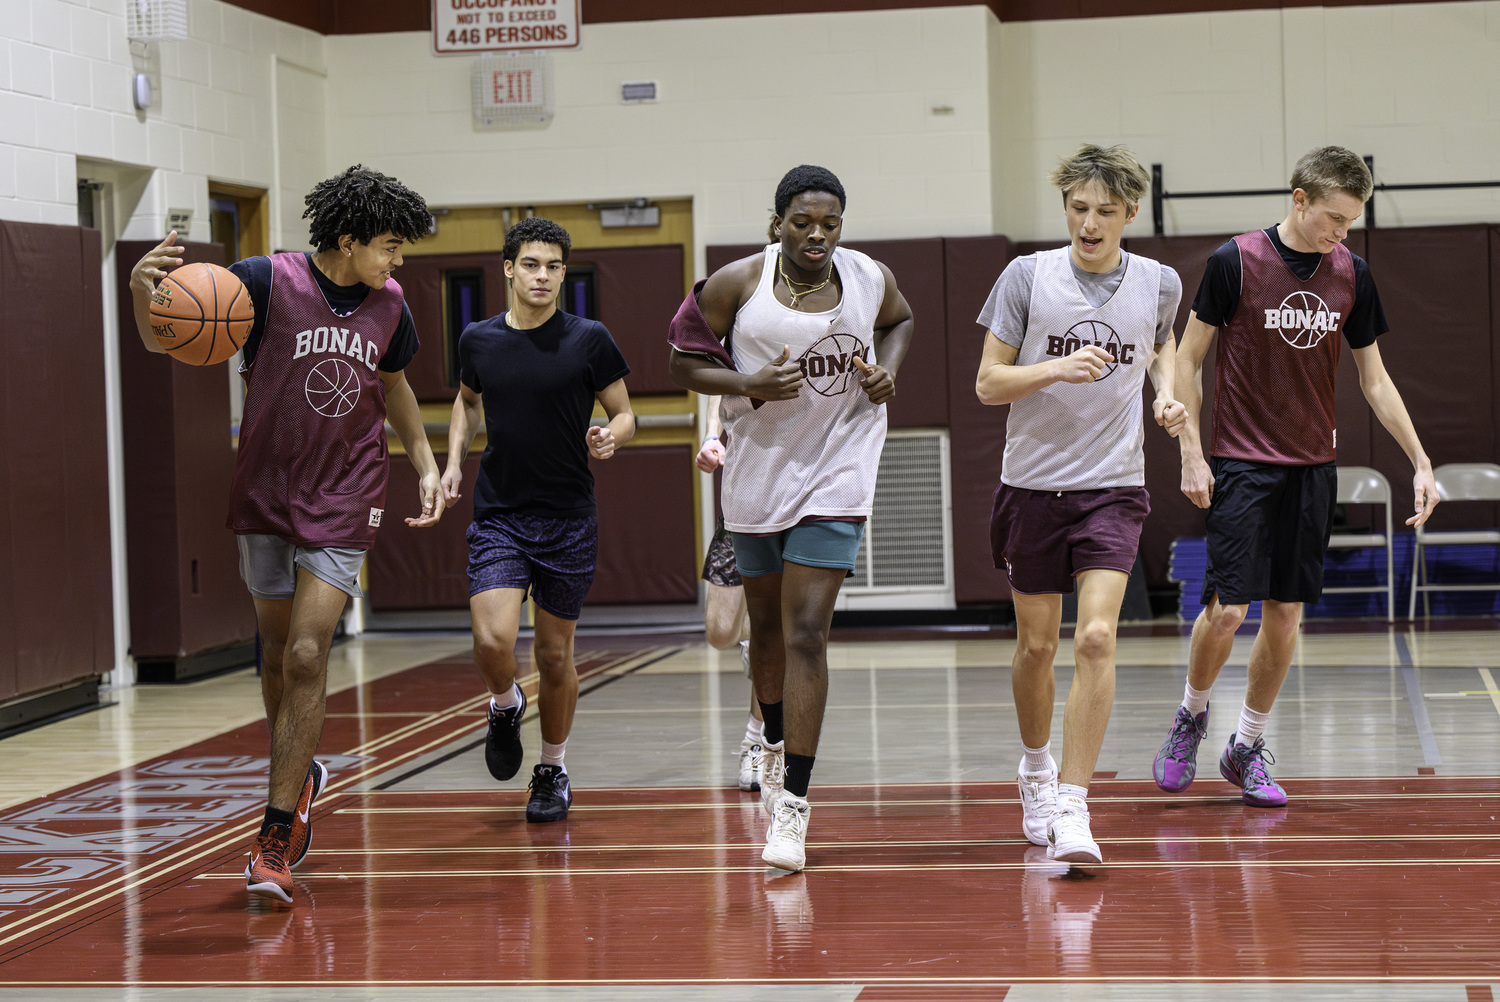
{"x":786,"y":838}
{"x":1038,"y":800}
{"x":772,"y":774}
{"x":1069,"y":838}
{"x":750,"y":756}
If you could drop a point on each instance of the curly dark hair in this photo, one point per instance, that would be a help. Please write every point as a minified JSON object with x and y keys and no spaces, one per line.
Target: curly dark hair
{"x":535,"y":229}
{"x":807,"y":178}
{"x":364,"y":203}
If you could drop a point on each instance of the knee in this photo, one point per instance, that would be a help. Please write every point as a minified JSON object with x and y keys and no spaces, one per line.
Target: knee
{"x":808,"y":644}
{"x":306,"y":660}
{"x":1094,"y":641}
{"x":721,"y":634}
{"x":1035,"y":651}
{"x":550,"y":659}
{"x":492,"y":648}
{"x":1225,"y":619}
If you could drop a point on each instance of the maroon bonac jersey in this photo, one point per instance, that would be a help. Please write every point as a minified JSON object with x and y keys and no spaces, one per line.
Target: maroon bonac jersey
{"x":312,"y":459}
{"x":1273,"y":379}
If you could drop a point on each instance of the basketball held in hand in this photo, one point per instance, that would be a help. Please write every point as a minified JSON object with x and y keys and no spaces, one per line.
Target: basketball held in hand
{"x":201,"y":314}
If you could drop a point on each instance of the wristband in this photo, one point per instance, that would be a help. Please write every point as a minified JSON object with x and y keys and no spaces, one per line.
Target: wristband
{"x":711,"y":438}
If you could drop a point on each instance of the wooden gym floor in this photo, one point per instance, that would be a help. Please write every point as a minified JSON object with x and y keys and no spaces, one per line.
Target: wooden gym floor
{"x":122,"y":837}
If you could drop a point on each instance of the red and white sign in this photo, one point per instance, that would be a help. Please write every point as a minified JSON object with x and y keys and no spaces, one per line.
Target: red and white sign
{"x":465,"y":27}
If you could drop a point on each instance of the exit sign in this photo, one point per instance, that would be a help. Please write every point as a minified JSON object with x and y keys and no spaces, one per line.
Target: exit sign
{"x":467,"y":27}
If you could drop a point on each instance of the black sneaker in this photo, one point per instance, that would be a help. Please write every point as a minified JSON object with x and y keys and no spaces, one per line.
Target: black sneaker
{"x":551,"y":796}
{"x":502,"y":745}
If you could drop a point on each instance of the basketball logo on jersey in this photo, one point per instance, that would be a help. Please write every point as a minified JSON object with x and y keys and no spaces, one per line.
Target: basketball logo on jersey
{"x":1302,"y":320}
{"x":332,"y":387}
{"x":1096,"y":333}
{"x":828,"y":365}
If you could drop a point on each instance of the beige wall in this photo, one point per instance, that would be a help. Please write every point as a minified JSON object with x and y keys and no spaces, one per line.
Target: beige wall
{"x":1230,"y":100}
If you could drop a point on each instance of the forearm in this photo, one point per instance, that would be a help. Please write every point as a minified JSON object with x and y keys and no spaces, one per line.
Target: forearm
{"x":1005,"y":384}
{"x":1163,"y":370}
{"x":891,"y":345}
{"x":1385,"y":400}
{"x":1188,"y":386}
{"x":140,"y":298}
{"x":715,"y":424}
{"x":702,"y":376}
{"x":406,"y":418}
{"x":462,"y":427}
{"x":622,"y":426}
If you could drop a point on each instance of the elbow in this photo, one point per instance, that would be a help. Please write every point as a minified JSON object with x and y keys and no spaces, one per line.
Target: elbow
{"x":987,"y":395}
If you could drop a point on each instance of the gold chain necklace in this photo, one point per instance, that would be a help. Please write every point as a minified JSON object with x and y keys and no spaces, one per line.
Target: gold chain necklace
{"x":811,"y":288}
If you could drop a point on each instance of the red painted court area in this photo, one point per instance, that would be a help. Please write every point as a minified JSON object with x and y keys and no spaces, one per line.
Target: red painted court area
{"x":1359,"y":879}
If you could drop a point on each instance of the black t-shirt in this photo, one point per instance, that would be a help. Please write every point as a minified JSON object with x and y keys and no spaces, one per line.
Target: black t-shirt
{"x":255,"y":272}
{"x":538,"y":387}
{"x":1219,"y":293}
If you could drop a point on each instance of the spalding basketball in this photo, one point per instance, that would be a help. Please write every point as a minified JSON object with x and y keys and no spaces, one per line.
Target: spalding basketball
{"x":201,"y":314}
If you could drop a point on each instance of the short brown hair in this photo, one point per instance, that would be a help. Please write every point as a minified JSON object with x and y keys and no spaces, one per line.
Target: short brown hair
{"x":1115,"y":168}
{"x":1330,"y":169}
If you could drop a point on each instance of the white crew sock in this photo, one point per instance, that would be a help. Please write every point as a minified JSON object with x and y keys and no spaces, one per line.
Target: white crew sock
{"x":1070,"y":797}
{"x":755,"y":731}
{"x":1252,"y":726}
{"x":510,"y":700}
{"x":1195,"y":701}
{"x":1037,"y":758}
{"x":552,"y":754}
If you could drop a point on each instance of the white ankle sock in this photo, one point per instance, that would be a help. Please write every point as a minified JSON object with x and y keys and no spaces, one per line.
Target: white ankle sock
{"x":754,"y":731}
{"x":553,"y":754}
{"x":1036,"y":758}
{"x":511,"y":699}
{"x":1252,"y":726}
{"x":1072,"y":796}
{"x":1195,"y":700}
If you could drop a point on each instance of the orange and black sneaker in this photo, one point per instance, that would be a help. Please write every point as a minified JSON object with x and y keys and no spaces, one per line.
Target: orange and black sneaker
{"x":301,"y":837}
{"x":267,"y":874}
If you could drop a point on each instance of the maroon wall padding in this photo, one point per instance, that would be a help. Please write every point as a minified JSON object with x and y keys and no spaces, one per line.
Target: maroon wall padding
{"x":179,"y":461}
{"x":56,"y":620}
{"x":421,"y":280}
{"x":717,"y":256}
{"x":976,"y":432}
{"x":1434,"y":282}
{"x":421,"y":568}
{"x":646,"y":519}
{"x":638,"y":290}
{"x":646,"y":549}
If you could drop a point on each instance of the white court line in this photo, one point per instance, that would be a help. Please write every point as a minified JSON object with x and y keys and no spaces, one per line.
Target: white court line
{"x":1489,"y":684}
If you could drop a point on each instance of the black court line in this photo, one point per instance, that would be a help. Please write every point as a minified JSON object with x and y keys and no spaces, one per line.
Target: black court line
{"x":470,"y":746}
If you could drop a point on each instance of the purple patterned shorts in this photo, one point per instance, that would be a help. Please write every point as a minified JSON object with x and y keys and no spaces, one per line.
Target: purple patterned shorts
{"x":553,"y":556}
{"x":718,"y":563}
{"x":1044,"y":538}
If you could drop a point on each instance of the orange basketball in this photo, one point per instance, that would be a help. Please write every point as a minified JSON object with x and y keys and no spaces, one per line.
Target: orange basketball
{"x":201,"y":314}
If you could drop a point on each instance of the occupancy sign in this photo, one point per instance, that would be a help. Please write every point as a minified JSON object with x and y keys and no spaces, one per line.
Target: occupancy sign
{"x":461,"y":27}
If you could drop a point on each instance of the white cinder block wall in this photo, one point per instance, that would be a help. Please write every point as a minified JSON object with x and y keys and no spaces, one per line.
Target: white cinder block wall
{"x":1224,"y":100}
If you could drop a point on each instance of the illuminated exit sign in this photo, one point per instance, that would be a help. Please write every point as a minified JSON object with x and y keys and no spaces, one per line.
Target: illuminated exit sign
{"x":468,"y":27}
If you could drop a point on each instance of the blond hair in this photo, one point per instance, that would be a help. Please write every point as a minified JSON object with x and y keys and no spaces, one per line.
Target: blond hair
{"x":1330,"y":169}
{"x":1116,"y":169}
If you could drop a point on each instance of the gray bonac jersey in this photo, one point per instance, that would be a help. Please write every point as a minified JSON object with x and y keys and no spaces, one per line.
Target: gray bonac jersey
{"x":816,"y":454}
{"x":1084,"y":436}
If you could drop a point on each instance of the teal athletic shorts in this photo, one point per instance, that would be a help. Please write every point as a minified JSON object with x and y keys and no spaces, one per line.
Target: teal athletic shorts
{"x":834,"y":545}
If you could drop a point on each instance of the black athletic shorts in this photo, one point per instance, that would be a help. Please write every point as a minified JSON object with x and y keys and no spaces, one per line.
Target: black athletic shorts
{"x":1268,"y":529}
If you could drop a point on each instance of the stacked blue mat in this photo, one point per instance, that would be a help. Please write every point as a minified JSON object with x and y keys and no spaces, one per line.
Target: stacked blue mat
{"x":1454,"y":564}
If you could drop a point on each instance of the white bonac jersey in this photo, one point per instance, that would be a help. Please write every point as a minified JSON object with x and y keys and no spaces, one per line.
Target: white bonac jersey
{"x":1084,"y":436}
{"x":818,"y":453}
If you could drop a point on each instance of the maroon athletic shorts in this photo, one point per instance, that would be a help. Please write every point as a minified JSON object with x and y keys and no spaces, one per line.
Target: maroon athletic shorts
{"x":1044,"y":538}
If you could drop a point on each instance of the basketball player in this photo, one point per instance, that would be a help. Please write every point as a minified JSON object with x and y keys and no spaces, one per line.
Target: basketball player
{"x":323,"y":373}
{"x":817,"y":332}
{"x":1283,"y":300}
{"x":1073,"y":333}
{"x":535,"y":371}
{"x":725,"y":619}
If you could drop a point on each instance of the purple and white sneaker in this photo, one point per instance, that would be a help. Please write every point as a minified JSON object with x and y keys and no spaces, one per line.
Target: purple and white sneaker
{"x":1245,"y":767}
{"x":1176,"y":763}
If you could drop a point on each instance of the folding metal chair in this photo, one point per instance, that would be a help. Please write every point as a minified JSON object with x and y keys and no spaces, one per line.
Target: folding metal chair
{"x":1363,"y":485}
{"x":1455,"y":482}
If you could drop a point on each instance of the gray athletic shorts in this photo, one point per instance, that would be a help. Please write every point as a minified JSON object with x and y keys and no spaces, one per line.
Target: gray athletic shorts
{"x":269,"y":565}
